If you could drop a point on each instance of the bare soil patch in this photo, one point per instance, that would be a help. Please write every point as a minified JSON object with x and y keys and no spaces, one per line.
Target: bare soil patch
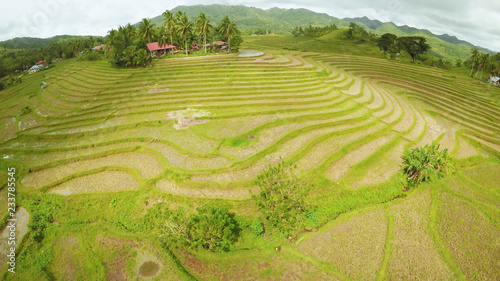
{"x":144,"y":163}
{"x":354,"y":244}
{"x":414,"y":256}
{"x":158,"y":90}
{"x":166,"y":185}
{"x":22,"y":217}
{"x":107,"y":181}
{"x":188,"y":117}
{"x":342,"y":166}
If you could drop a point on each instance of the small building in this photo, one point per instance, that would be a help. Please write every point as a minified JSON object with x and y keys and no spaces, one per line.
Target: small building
{"x":195,"y":46}
{"x":494,"y":80}
{"x":98,"y":47}
{"x":157,"y":50}
{"x":42,"y":63}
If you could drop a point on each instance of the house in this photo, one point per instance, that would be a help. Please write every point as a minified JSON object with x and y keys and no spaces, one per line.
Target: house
{"x":494,"y":80}
{"x":98,"y":47}
{"x":157,"y":50}
{"x":39,"y":65}
{"x":195,"y":46}
{"x":221,"y":45}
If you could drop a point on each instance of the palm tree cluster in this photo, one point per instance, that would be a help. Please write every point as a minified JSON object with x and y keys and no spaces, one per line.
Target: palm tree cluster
{"x":129,"y":43}
{"x":484,"y":62}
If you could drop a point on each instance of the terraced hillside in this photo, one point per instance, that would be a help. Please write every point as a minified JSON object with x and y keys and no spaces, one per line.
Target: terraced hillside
{"x":108,"y":146}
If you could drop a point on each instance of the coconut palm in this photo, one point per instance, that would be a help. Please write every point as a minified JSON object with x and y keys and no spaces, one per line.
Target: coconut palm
{"x":146,"y":30}
{"x":227,"y":29}
{"x":203,"y":27}
{"x":168,"y":18}
{"x":474,"y":57}
{"x":162,"y":36}
{"x":184,"y":27}
{"x":483,"y":62}
{"x":142,"y":57}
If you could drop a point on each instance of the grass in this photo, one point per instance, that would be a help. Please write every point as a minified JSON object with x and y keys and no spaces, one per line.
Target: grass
{"x":95,"y":127}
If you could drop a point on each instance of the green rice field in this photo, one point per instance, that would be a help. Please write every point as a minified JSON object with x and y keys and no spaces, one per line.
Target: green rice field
{"x":107,"y":151}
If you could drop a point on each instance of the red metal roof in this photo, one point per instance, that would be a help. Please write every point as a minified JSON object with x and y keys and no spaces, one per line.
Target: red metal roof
{"x":220,"y":43}
{"x":97,"y":47}
{"x":40,"y":62}
{"x":154,"y":47}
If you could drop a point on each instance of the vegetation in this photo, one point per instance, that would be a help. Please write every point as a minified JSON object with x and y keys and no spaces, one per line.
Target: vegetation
{"x":281,"y":198}
{"x":426,"y":164}
{"x":213,"y":228}
{"x":127,"y":171}
{"x":311,"y":31}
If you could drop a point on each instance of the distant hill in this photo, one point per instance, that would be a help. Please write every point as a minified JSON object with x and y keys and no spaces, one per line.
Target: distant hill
{"x":35,"y":43}
{"x":249,"y":18}
{"x":285,"y":20}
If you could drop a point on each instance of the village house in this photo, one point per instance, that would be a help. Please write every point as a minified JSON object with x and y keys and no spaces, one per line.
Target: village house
{"x":494,"y":80}
{"x":39,"y":65}
{"x":157,"y":50}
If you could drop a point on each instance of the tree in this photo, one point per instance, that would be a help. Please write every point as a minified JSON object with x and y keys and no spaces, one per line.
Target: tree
{"x":146,"y":30}
{"x":483,"y":62}
{"x":388,"y":43}
{"x":162,"y":36}
{"x":473,"y":57}
{"x":281,"y":198}
{"x":413,"y":45}
{"x":426,"y":164}
{"x":213,"y":227}
{"x":227,"y":29}
{"x":168,"y":18}
{"x":141,"y":58}
{"x":203,"y":27}
{"x":184,"y":27}
{"x":236,"y":42}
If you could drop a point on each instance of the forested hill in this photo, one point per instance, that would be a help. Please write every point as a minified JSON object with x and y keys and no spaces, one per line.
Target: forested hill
{"x":35,"y":43}
{"x":285,"y":20}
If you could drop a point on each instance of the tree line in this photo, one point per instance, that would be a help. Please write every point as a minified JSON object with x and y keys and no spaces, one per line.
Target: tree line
{"x":484,"y":62}
{"x":315,"y":31}
{"x":127,"y":44}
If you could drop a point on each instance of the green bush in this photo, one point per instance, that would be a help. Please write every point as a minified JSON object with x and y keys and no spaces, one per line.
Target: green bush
{"x":257,"y":227}
{"x":213,"y":228}
{"x":426,"y":164}
{"x":281,"y":198}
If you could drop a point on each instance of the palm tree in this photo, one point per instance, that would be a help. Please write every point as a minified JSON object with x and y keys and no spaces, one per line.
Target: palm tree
{"x":203,"y":27}
{"x":483,"y":62}
{"x":168,"y":17}
{"x":227,"y":29}
{"x":142,"y":57}
{"x":474,"y":56}
{"x":162,"y":36}
{"x":184,"y":27}
{"x":146,"y":31}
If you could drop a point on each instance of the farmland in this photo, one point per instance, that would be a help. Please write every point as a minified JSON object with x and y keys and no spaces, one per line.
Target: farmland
{"x":107,"y":151}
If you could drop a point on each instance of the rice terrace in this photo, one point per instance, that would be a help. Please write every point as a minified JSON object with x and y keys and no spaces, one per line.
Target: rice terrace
{"x":119,"y":169}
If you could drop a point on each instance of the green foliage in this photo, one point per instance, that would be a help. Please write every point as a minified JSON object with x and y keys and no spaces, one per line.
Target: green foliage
{"x":235,"y":42}
{"x":213,"y":228}
{"x":358,"y":34}
{"x":43,"y":213}
{"x":413,"y":45}
{"x":388,"y":43}
{"x":282,"y":198}
{"x":257,"y":227}
{"x":26,"y":110}
{"x":426,"y":164}
{"x":311,"y":31}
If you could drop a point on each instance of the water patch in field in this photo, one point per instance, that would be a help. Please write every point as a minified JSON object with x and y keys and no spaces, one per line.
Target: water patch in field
{"x":250,"y":53}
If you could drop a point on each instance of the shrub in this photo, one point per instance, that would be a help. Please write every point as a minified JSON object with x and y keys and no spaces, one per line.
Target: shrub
{"x":213,"y":228}
{"x":426,"y":164}
{"x":281,"y":198}
{"x":257,"y":227}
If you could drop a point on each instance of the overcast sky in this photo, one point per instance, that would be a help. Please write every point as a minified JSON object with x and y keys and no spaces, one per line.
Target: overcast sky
{"x":476,"y":21}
